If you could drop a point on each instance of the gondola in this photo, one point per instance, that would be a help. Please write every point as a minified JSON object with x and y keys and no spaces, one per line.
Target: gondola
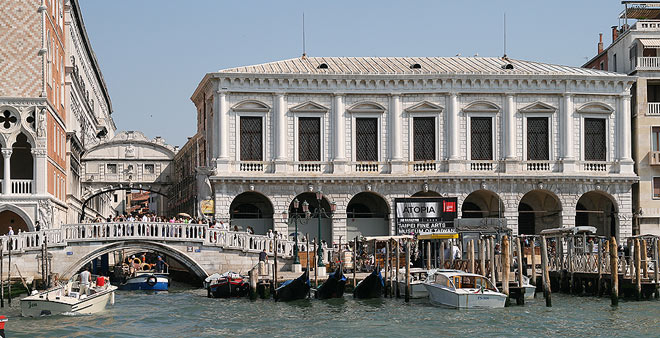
{"x":228,"y":285}
{"x":333,"y":286}
{"x":293,"y":289}
{"x":370,"y":287}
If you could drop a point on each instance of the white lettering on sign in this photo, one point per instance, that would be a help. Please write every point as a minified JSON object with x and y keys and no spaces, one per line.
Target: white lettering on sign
{"x":418,"y":210}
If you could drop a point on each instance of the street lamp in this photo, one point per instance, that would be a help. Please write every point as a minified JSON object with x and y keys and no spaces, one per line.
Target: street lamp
{"x":319,"y":212}
{"x":296,"y":217}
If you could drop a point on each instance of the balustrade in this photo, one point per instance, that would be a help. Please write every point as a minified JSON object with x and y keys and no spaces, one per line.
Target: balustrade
{"x":21,"y":186}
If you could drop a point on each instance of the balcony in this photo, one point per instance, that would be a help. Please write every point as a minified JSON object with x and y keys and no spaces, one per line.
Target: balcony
{"x":482,"y":165}
{"x":21,"y":187}
{"x":596,"y":166}
{"x":426,"y":166}
{"x":367,"y":167}
{"x":654,"y":157}
{"x":654,"y":109}
{"x":311,"y":167}
{"x":647,"y":63}
{"x":538,"y":165}
{"x":251,"y":166}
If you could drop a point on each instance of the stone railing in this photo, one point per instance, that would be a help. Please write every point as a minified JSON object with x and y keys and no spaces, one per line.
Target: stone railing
{"x":595,"y":166}
{"x":314,"y":167}
{"x":251,"y":166}
{"x":149,"y":231}
{"x":425,"y":166}
{"x":368,"y":167}
{"x":653,"y":108}
{"x":21,"y":186}
{"x":482,"y":165}
{"x":538,"y":165}
{"x":647,"y":63}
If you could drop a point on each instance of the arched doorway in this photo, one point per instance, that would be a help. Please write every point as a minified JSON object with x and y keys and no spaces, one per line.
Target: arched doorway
{"x":482,"y":204}
{"x":538,"y":210}
{"x":11,"y":219}
{"x":597,"y":209}
{"x":428,"y":193}
{"x":21,"y":163}
{"x":367,"y":214}
{"x":310,"y":226}
{"x":252,"y":209}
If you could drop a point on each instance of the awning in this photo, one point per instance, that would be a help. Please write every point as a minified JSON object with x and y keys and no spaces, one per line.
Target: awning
{"x":650,"y":43}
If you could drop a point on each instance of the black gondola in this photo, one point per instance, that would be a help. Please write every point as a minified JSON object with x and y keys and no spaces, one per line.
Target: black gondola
{"x":293,"y":289}
{"x":333,"y":286}
{"x":370,"y":287}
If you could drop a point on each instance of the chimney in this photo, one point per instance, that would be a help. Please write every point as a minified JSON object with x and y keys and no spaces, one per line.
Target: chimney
{"x":615,"y":33}
{"x":600,"y":43}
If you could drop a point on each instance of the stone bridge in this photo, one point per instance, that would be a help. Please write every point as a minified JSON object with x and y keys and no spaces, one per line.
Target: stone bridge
{"x":201,"y":249}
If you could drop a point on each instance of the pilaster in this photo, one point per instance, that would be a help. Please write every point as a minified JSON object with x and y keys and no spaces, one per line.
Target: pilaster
{"x":625,"y":160}
{"x":339,"y":135}
{"x":6,"y":181}
{"x":568,"y":158}
{"x":280,"y":133}
{"x":396,"y":146}
{"x":222,"y":137}
{"x":453,"y":133}
{"x":40,"y":174}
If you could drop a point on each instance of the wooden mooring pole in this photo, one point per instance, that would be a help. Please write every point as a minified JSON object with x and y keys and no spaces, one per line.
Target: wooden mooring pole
{"x":491,"y":248}
{"x":644,"y":261}
{"x":656,"y":273}
{"x":387,"y":267}
{"x":600,"y":267}
{"x":547,"y":292}
{"x":442,"y":254}
{"x":355,"y":249}
{"x":520,"y":300}
{"x":275,"y":267}
{"x":2,"y":281}
{"x":482,"y":257}
{"x":638,"y":272}
{"x":316,"y":266}
{"x":9,"y":247}
{"x":470,"y":247}
{"x":253,"y":283}
{"x":428,"y":257}
{"x":614,"y":271}
{"x":397,"y":250}
{"x":407,"y":271}
{"x":506,"y":266}
{"x":533,"y":247}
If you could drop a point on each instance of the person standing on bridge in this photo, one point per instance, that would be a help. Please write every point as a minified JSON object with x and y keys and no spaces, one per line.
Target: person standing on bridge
{"x":10,"y":232}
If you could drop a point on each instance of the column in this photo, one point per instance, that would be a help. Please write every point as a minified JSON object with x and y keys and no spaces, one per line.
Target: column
{"x":212,"y":133}
{"x":624,"y":132}
{"x":279,"y":133}
{"x":221,"y":138}
{"x":396,"y":145}
{"x":338,"y":134}
{"x":510,"y":134}
{"x":568,"y":158}
{"x":40,"y":177}
{"x":6,"y":181}
{"x":453,"y":132}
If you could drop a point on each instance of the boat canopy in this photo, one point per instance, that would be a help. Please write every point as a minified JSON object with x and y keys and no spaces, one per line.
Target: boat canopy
{"x":569,"y":231}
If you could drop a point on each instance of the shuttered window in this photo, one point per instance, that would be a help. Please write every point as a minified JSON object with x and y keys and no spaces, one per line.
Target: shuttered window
{"x":595,"y":147}
{"x":424,"y":138}
{"x":251,"y":138}
{"x":655,"y":139}
{"x":309,"y":139}
{"x":656,"y":187}
{"x":537,"y":139}
{"x":366,"y":139}
{"x":481,"y":138}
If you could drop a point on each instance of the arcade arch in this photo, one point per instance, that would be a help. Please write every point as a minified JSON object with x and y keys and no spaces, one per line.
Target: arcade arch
{"x":310,"y":226}
{"x":252,"y":209}
{"x":538,"y":210}
{"x":482,"y":204}
{"x":597,"y":209}
{"x":367,"y":214}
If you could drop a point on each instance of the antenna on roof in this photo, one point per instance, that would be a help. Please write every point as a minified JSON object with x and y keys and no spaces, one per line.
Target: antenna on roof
{"x":304,"y":56}
{"x":504,"y":35}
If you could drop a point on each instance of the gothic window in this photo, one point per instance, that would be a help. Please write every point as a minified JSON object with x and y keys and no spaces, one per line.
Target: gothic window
{"x":251,"y":138}
{"x":30,"y":119}
{"x":366,"y":139}
{"x":537,"y":139}
{"x":309,"y":139}
{"x":424,"y":138}
{"x":7,"y":119}
{"x":595,"y":147}
{"x":481,"y":138}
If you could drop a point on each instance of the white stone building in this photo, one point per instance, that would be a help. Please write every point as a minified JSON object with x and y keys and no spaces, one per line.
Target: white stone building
{"x":538,"y":144}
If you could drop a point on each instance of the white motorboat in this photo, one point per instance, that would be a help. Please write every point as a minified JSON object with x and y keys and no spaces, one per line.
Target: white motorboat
{"x":417,"y":280}
{"x":459,"y":289}
{"x":68,"y":299}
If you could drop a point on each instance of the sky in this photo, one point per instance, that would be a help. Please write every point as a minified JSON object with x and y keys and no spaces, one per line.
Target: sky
{"x":154,"y":53}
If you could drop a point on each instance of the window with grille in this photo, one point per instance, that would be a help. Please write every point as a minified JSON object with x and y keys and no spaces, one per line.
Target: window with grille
{"x":112,"y":168}
{"x":595,"y":147}
{"x":366,"y":139}
{"x":537,"y":139}
{"x":481,"y":138}
{"x":656,"y":187}
{"x":655,"y":139}
{"x":309,"y":139}
{"x":424,"y":138}
{"x":251,"y":138}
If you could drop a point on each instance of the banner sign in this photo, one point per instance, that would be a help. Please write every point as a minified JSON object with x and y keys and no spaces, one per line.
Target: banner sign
{"x":425,"y":215}
{"x":207,"y":207}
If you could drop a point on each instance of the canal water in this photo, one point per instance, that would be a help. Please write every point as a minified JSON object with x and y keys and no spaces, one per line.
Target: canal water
{"x":185,"y":312}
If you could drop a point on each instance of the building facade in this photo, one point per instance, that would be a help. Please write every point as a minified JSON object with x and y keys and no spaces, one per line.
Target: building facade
{"x":183,"y":194}
{"x":35,"y":110}
{"x":634,"y":51}
{"x":539,"y":145}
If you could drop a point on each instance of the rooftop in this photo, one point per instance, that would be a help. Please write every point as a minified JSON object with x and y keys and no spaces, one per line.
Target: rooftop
{"x":412,"y":65}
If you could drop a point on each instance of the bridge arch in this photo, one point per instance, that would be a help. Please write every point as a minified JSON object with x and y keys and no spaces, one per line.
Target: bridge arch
{"x":168,"y":250}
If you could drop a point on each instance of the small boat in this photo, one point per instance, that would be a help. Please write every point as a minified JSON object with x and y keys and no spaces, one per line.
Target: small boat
{"x":370,"y":287}
{"x":146,"y":280}
{"x":226,"y":285}
{"x":293,"y":289}
{"x":66,"y":298}
{"x":459,"y":289}
{"x":530,"y":290}
{"x":417,"y":279}
{"x":333,"y":287}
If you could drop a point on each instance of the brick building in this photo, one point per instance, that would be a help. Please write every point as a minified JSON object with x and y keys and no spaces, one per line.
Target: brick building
{"x":38,"y":112}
